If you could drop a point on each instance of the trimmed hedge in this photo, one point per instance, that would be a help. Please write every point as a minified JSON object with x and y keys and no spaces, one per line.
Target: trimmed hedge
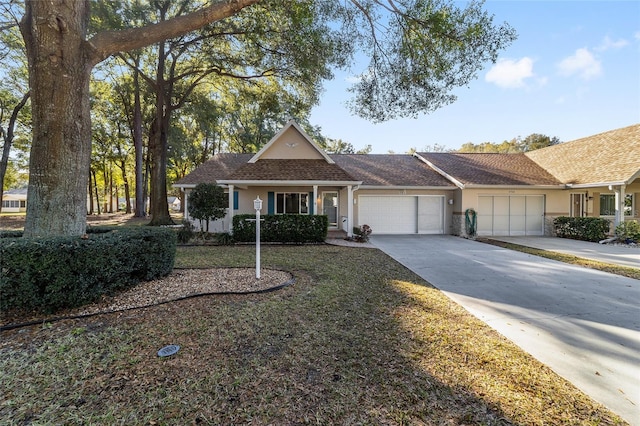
{"x":50,"y":274}
{"x":581,"y":228}
{"x":285,"y":228}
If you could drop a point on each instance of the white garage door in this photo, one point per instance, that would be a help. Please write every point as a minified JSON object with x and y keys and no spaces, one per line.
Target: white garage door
{"x":511,"y":215}
{"x":402,"y":214}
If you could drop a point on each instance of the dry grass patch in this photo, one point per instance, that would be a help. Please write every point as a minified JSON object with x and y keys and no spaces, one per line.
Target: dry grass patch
{"x":358,"y":339}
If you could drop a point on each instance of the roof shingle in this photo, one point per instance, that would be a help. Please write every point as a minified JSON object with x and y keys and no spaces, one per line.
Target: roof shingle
{"x":490,"y":169}
{"x":217,"y":168}
{"x":612,"y":156}
{"x":390,"y":170}
{"x":289,"y":170}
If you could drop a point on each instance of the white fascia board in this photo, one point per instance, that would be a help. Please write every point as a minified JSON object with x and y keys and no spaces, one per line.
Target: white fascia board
{"x":289,"y":182}
{"x":562,"y":186}
{"x":442,"y":173}
{"x":437,"y":188}
{"x":595,"y":185}
{"x":633,"y":177}
{"x":184,"y":186}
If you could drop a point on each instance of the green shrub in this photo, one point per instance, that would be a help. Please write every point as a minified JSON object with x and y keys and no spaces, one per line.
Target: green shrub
{"x":50,"y":274}
{"x":581,"y":228}
{"x":225,"y":239}
{"x":628,"y":230}
{"x":286,"y":228}
{"x":185,"y":232}
{"x":207,"y":202}
{"x":10,"y":234}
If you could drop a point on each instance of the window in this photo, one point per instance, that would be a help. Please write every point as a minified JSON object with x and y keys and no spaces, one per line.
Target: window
{"x":607,"y":204}
{"x":292,"y":203}
{"x":628,"y":205}
{"x":13,"y":203}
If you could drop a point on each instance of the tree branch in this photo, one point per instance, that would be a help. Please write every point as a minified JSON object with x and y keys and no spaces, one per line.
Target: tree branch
{"x":106,"y":43}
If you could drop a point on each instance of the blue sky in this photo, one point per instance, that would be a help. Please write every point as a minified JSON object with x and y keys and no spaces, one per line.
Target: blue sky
{"x":574,"y":71}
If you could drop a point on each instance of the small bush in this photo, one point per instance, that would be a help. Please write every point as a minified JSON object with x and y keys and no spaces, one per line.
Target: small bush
{"x":361,"y":233}
{"x":286,"y":228}
{"x":628,"y":230}
{"x":186,"y":232}
{"x":581,"y":228}
{"x":225,"y":239}
{"x":50,"y":274}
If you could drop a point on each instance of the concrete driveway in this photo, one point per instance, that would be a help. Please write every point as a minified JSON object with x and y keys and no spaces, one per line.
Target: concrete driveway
{"x":607,"y":253}
{"x":582,"y":323}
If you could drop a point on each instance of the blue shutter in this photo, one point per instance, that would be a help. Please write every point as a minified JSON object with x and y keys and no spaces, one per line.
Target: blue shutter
{"x":310,"y":200}
{"x":235,"y":200}
{"x":270,"y":202}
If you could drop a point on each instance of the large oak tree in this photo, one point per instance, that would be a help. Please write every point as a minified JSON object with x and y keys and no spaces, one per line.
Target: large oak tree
{"x":420,"y":50}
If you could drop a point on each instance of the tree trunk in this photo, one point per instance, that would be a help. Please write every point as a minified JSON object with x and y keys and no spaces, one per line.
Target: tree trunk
{"x":158,"y":142}
{"x":137,"y":142}
{"x":95,"y":190}
{"x":54,"y":33}
{"x":90,"y":195}
{"x":158,"y":150}
{"x":127,"y":190}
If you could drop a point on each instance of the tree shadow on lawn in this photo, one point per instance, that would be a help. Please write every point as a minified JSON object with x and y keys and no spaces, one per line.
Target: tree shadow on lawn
{"x":370,"y":346}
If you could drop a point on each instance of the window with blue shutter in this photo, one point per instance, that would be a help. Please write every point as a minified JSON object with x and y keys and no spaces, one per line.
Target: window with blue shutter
{"x":270,"y":203}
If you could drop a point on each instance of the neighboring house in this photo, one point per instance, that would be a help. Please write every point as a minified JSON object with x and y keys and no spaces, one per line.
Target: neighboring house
{"x":174,"y":203}
{"x":14,"y":201}
{"x":432,"y":193}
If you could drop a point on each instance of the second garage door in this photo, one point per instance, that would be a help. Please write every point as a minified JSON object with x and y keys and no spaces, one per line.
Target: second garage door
{"x":511,"y":215}
{"x":402,"y":214}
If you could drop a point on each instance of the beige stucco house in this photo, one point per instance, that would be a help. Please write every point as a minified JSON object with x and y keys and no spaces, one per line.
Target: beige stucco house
{"x":432,"y":193}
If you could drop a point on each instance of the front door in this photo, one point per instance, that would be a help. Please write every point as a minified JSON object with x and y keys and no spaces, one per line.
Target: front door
{"x":330,"y":207}
{"x":577,"y":205}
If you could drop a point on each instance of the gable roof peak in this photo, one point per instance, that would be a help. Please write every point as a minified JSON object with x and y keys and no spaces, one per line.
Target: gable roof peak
{"x":291,"y":124}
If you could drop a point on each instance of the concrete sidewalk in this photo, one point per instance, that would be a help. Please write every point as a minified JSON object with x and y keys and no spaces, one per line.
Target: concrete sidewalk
{"x":607,"y":253}
{"x":584,"y":324}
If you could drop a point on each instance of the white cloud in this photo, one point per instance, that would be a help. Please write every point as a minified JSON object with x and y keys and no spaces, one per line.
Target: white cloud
{"x":581,"y":63}
{"x":637,"y":35}
{"x":608,"y":44}
{"x":509,"y":73}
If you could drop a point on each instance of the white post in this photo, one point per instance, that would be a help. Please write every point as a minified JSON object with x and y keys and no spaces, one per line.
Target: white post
{"x":349,"y":211}
{"x":257,"y":204}
{"x":315,"y":199}
{"x":230,"y":212}
{"x":620,"y":196}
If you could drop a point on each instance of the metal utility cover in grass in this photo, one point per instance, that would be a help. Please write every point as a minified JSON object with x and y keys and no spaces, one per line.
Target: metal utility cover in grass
{"x":168,"y":350}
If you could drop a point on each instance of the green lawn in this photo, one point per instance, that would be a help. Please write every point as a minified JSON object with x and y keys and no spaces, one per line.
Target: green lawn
{"x":358,"y":339}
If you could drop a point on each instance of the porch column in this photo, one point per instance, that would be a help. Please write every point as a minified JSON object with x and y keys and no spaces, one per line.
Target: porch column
{"x":185,"y":213}
{"x":315,"y":199}
{"x":620,"y":196}
{"x":230,"y":213}
{"x":349,"y":211}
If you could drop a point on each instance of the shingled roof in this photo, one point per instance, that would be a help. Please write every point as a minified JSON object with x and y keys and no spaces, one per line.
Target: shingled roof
{"x":217,"y":168}
{"x":607,"y":158}
{"x":390,"y":170}
{"x":370,"y":169}
{"x":490,"y":169}
{"x":289,"y":170}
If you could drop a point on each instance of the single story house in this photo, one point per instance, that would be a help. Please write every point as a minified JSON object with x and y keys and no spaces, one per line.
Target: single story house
{"x":432,"y":193}
{"x":14,"y":201}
